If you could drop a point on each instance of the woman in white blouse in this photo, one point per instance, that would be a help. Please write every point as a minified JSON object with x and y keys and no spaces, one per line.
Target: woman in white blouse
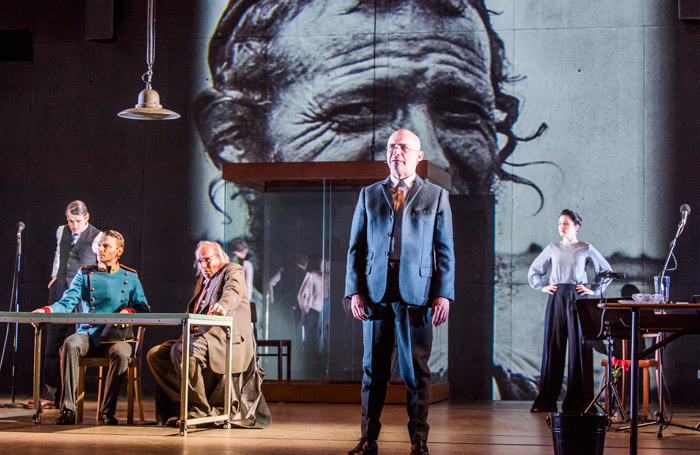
{"x":568,"y":259}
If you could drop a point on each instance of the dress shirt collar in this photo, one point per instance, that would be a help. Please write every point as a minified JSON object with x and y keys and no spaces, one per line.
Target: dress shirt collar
{"x":408,"y":181}
{"x":85,"y":229}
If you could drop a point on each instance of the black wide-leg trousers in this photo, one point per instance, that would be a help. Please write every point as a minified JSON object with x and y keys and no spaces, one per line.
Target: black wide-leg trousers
{"x":562,"y":324}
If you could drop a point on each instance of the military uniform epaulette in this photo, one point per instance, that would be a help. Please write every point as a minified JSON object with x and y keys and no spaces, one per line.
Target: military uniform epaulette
{"x":91,"y":266}
{"x":128,"y":268}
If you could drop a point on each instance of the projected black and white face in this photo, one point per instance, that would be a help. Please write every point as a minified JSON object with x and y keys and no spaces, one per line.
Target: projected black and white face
{"x":325,"y":86}
{"x":325,"y":80}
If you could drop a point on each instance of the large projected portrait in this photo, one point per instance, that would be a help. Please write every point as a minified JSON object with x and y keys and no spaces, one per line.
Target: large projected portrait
{"x":330,"y":80}
{"x":322,"y":80}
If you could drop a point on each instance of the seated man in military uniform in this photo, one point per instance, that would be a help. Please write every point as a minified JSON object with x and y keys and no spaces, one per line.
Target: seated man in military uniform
{"x":105,"y":287}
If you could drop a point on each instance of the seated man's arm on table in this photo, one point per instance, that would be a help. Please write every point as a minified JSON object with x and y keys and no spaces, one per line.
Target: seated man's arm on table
{"x":70,"y":298}
{"x":232,"y":295}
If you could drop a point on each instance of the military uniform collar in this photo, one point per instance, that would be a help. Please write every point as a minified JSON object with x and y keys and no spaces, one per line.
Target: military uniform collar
{"x":103,"y":268}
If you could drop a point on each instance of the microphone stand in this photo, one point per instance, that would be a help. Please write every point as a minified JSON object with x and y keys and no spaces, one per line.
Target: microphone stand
{"x":608,"y":386}
{"x":661,"y":418}
{"x":681,"y":225}
{"x":15,"y":303}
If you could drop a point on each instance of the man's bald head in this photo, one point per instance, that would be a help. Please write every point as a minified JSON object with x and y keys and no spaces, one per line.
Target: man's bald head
{"x":403,"y":153}
{"x":405,"y":135}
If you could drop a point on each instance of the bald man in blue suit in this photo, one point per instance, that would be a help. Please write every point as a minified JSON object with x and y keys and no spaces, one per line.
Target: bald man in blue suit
{"x":400,"y":279}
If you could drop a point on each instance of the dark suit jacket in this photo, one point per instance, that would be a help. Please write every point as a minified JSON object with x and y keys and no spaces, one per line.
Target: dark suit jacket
{"x":427,"y":253}
{"x":228,"y":288}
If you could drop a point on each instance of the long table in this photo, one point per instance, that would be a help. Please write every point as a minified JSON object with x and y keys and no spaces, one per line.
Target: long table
{"x":643,"y":318}
{"x":185,"y":320}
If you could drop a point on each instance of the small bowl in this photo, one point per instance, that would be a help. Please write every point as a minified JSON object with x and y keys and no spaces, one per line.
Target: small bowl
{"x":648,"y":298}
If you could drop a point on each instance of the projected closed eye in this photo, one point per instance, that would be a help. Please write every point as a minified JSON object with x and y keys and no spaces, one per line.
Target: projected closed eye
{"x":458,"y":113}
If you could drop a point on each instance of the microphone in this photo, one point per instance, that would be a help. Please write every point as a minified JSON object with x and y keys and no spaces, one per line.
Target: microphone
{"x":685,"y":211}
{"x":611,"y":274}
{"x":20,"y":228}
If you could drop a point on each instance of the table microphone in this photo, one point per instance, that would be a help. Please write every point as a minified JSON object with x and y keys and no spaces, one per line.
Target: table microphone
{"x":611,"y":274}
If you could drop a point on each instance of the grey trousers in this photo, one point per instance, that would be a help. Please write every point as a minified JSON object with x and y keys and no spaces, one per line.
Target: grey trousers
{"x":165,"y":363}
{"x":411,"y":327}
{"x":81,"y":345}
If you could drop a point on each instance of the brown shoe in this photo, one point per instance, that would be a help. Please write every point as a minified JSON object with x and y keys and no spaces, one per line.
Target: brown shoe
{"x":419,"y":447}
{"x":364,"y":447}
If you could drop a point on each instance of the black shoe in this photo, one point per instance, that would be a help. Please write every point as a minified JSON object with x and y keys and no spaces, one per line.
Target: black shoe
{"x":107,"y":419}
{"x":67,"y":417}
{"x":162,"y":419}
{"x":419,"y":447}
{"x":173,"y":422}
{"x":364,"y":447}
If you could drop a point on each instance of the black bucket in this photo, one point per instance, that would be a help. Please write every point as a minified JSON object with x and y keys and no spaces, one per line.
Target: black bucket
{"x":578,"y":434}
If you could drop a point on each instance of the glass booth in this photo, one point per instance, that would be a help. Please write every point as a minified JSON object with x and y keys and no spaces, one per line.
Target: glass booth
{"x":296,"y":218}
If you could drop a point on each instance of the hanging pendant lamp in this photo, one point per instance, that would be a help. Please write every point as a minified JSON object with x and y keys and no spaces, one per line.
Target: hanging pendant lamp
{"x":149,"y":107}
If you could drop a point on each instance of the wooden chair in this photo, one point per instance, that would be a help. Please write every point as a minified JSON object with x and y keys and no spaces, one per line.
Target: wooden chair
{"x":644,"y":365}
{"x":284,"y":348}
{"x":133,"y":387}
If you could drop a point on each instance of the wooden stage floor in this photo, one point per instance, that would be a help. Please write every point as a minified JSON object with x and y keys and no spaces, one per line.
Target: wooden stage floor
{"x":498,"y":428}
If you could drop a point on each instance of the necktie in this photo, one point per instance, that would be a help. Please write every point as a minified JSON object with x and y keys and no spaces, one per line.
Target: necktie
{"x":398,"y":197}
{"x":74,"y":238}
{"x":201,"y":298}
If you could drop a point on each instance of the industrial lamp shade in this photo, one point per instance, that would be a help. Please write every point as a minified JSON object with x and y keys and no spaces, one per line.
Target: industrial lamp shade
{"x":149,"y":108}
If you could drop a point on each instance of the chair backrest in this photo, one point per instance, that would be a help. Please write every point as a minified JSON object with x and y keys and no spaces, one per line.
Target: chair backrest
{"x":138,"y":342}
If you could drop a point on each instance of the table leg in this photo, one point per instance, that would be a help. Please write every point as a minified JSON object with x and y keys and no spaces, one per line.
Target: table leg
{"x":184,"y":376}
{"x":634,"y":405}
{"x":229,"y":369}
{"x":37,"y":373}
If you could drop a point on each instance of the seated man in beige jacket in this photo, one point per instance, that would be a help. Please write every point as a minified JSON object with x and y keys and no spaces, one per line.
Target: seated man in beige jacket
{"x":220,"y":290}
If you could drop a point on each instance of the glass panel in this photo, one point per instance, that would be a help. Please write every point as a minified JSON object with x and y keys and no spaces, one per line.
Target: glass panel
{"x":298,"y":241}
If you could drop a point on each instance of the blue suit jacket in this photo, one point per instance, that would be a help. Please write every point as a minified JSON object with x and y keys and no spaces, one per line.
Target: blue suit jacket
{"x":427,"y":252}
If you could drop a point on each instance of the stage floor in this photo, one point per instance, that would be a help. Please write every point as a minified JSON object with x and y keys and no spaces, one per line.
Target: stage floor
{"x":498,"y":428}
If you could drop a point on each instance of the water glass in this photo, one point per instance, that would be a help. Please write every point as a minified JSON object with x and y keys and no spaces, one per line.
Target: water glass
{"x":661,"y":284}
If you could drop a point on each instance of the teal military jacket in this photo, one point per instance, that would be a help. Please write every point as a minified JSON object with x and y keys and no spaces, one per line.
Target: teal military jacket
{"x":102,"y":292}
